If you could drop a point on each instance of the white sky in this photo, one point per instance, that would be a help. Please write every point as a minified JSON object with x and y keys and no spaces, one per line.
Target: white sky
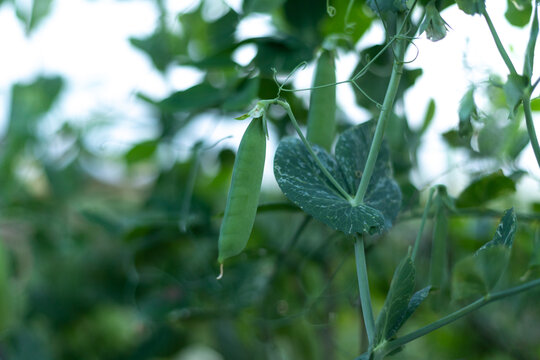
{"x":87,"y":43}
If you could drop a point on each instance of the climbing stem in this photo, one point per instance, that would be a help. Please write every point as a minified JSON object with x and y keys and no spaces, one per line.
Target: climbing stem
{"x":363,"y":286}
{"x":423,"y":223}
{"x":530,"y":125}
{"x":499,"y":44}
{"x":384,"y":116}
{"x":400,"y":341}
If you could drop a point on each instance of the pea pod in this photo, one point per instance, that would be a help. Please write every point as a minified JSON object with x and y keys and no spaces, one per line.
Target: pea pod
{"x":322,"y":104}
{"x":244,"y":192}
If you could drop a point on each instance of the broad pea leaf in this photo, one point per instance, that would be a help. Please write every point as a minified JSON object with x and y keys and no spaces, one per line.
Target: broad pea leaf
{"x":303,"y":182}
{"x":478,"y":274}
{"x":141,"y":151}
{"x":485,"y":189}
{"x":471,"y":7}
{"x":514,"y":88}
{"x":529,"y":54}
{"x":243,"y":95}
{"x":198,"y":97}
{"x":518,"y":12}
{"x":396,"y":306}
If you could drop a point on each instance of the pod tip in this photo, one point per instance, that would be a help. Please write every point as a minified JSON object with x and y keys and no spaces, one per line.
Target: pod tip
{"x":220,"y":272}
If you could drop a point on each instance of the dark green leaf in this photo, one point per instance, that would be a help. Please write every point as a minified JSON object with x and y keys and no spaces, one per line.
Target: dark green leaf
{"x":282,"y":54}
{"x":162,"y":47}
{"x":529,"y":55}
{"x":198,"y":97}
{"x":506,"y":230}
{"x":141,"y":151}
{"x":514,"y":89}
{"x":243,"y":95}
{"x":381,"y":6}
{"x":416,"y":300}
{"x":518,"y":12}
{"x":535,"y":257}
{"x":453,"y":139}
{"x":439,"y":248}
{"x":433,"y":24}
{"x":396,"y":305}
{"x":471,"y":7}
{"x":263,"y":6}
{"x":486,"y":189}
{"x":303,"y":182}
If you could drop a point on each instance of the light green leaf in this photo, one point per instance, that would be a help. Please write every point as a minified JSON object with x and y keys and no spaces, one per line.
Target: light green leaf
{"x":518,"y":12}
{"x":396,"y":306}
{"x":141,"y":151}
{"x":467,"y":112}
{"x":514,"y":88}
{"x":529,"y":54}
{"x":303,"y":183}
{"x":429,"y":115}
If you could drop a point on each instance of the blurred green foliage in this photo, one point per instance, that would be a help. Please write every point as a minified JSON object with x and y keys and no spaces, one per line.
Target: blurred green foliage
{"x":93,"y":269}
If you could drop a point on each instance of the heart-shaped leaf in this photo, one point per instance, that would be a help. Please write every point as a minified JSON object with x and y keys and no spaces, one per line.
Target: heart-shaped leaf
{"x":303,"y":182}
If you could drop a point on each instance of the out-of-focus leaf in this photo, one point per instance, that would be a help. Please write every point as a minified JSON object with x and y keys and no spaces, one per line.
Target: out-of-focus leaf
{"x":453,"y":139}
{"x":485,"y":189}
{"x":535,"y":104}
{"x":531,"y":45}
{"x":467,"y":112}
{"x":381,"y":6}
{"x":30,"y":101}
{"x":141,"y":151}
{"x":476,"y":275}
{"x":358,"y":22}
{"x":518,"y":12}
{"x":198,"y":97}
{"x":428,"y":116}
{"x":471,"y":7}
{"x":162,"y":46}
{"x":439,"y":249}
{"x":535,"y":256}
{"x":282,"y":54}
{"x":433,"y":24}
{"x":243,"y":95}
{"x":396,"y":305}
{"x":514,"y":89}
{"x":39,"y":11}
{"x":262,"y":6}
{"x":304,"y":16}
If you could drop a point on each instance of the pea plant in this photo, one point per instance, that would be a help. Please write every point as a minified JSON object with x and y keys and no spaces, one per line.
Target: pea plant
{"x":350,"y":187}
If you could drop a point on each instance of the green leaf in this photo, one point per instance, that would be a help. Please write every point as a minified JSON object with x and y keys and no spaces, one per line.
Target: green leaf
{"x":467,"y":112}
{"x":303,"y":183}
{"x":198,"y":97}
{"x":535,"y":104}
{"x":163,"y":47}
{"x":381,"y":6}
{"x":262,"y":6}
{"x":243,"y":95}
{"x":416,"y":300}
{"x":141,"y":151}
{"x":476,"y":275}
{"x":535,"y":256}
{"x":429,"y":115}
{"x":438,"y":266}
{"x":39,"y":11}
{"x":485,"y":189}
{"x":471,"y":7}
{"x":529,"y":54}
{"x":396,"y":306}
{"x":433,"y":24}
{"x":518,"y":12}
{"x":514,"y":88}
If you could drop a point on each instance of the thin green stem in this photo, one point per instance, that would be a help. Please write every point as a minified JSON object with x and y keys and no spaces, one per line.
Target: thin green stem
{"x":423,"y":223}
{"x":384,"y":116}
{"x":329,"y":176}
{"x":530,"y":126}
{"x":363,"y":286}
{"x":394,"y":344}
{"x":499,"y":44}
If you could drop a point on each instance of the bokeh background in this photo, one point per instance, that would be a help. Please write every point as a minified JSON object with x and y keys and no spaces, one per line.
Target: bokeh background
{"x":118,"y":139}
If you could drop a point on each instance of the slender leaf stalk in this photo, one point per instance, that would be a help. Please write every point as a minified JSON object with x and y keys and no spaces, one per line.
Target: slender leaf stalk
{"x":363,"y":286}
{"x":394,"y":344}
{"x":530,"y":126}
{"x":384,"y":116}
{"x":499,"y":44}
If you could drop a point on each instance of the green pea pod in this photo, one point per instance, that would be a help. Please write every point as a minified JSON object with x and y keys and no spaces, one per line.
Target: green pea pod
{"x":244,"y":192}
{"x":322,"y":105}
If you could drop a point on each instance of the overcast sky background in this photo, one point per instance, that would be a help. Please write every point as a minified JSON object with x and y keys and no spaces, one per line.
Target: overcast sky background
{"x":86,"y":42}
